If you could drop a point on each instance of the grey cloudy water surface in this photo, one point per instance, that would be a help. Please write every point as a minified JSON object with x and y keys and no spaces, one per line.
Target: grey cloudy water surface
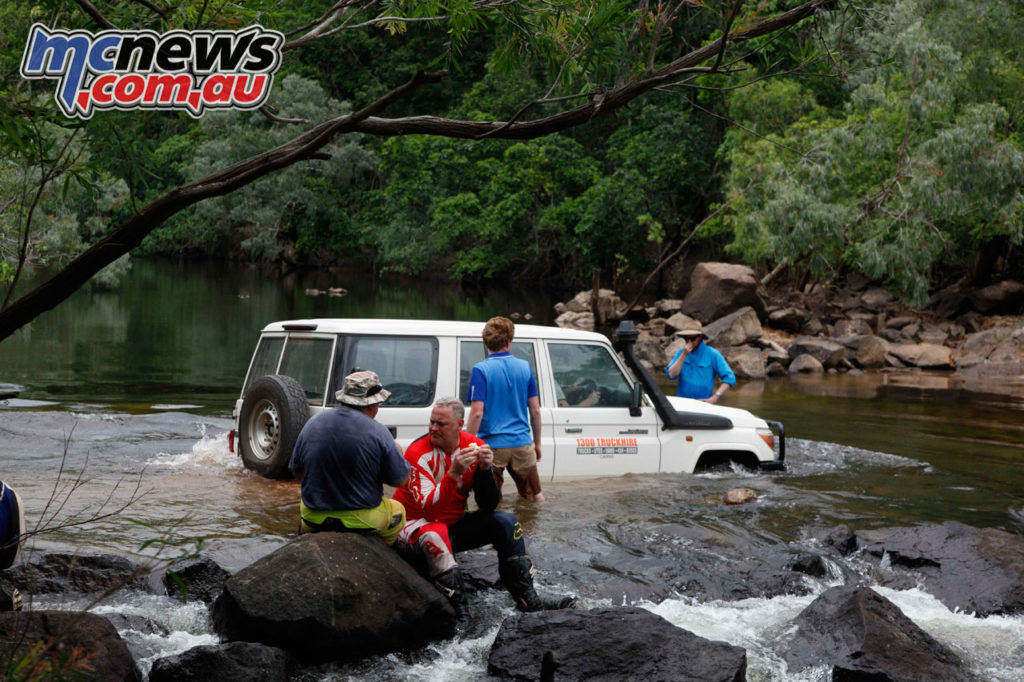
{"x":137,"y":387}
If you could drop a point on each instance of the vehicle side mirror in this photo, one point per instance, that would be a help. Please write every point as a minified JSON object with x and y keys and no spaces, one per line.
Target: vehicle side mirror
{"x":638,"y":397}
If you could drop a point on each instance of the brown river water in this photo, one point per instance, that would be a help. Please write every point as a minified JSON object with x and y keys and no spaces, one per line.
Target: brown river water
{"x":119,"y":444}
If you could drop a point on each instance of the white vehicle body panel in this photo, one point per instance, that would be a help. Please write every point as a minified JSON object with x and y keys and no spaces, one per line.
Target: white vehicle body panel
{"x":602,"y":439}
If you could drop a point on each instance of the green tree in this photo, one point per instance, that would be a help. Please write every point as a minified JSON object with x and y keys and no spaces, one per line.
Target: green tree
{"x":922,"y":169}
{"x":593,"y":59}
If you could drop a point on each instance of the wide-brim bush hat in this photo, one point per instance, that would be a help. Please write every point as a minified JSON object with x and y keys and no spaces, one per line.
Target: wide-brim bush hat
{"x":361,"y":389}
{"x":692,"y":328}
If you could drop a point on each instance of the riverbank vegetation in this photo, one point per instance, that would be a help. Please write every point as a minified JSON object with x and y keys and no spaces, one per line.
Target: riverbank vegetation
{"x":874,"y":138}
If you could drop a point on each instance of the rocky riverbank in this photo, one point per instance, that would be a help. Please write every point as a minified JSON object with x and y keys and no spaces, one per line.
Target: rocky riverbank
{"x":976,"y":336}
{"x":337,"y":597}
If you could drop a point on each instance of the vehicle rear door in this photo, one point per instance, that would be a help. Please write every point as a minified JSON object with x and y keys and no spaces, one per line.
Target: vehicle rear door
{"x":593,"y":430}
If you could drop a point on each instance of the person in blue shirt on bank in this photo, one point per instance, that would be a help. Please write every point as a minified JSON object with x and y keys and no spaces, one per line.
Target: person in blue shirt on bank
{"x":505,"y":409}
{"x":698,"y":365}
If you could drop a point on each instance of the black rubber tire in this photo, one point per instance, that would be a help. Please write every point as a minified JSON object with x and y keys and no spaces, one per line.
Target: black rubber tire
{"x":274,"y":410}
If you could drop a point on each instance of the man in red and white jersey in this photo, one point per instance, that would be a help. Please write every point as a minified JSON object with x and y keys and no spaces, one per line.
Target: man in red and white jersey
{"x":446,"y":465}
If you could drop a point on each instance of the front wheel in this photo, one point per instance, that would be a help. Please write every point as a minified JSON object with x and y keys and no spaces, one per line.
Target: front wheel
{"x":274,"y":410}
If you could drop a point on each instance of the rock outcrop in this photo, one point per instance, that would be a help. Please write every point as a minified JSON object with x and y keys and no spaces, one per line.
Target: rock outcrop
{"x":864,"y":636}
{"x":978,"y":571}
{"x":231,"y":662}
{"x":83,"y":646}
{"x":717,"y":289}
{"x":332,"y":596}
{"x":610,"y":644}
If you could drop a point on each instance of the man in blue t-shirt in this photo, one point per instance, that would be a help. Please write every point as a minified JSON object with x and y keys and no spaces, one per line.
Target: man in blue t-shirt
{"x":505,"y":410}
{"x":697,"y":366}
{"x":345,"y":456}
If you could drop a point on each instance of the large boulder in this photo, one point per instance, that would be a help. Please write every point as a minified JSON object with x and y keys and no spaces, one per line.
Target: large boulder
{"x":625,"y":643}
{"x":1006,"y":298}
{"x":332,"y":596}
{"x":998,"y":344}
{"x":971,"y":569}
{"x":924,"y":355}
{"x":806,"y":363}
{"x":88,"y":644}
{"x":608,"y":303}
{"x":717,"y":289}
{"x":59,"y":573}
{"x":576,"y":320}
{"x":864,"y":636}
{"x":678,"y":321}
{"x":746,"y":362}
{"x":828,"y":353}
{"x":871,"y":351}
{"x":790,"y":319}
{"x":231,"y":662}
{"x":735,"y":329}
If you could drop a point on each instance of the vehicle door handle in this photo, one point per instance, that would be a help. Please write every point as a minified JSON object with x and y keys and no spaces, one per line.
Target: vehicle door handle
{"x":574,"y":429}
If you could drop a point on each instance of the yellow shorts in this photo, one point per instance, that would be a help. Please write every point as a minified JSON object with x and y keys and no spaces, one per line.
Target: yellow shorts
{"x":521,"y":457}
{"x":385,"y":520}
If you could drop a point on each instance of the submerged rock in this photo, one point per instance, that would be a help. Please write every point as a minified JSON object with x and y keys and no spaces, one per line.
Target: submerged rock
{"x":83,"y":646}
{"x":332,"y":596}
{"x":975,"y":570}
{"x":610,"y":644}
{"x":231,"y":662}
{"x":864,"y":636}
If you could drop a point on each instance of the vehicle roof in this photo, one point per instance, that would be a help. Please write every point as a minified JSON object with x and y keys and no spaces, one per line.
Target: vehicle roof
{"x":338,"y":325}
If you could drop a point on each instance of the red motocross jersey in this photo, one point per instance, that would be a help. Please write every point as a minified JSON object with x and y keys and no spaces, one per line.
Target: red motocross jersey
{"x":431,"y":494}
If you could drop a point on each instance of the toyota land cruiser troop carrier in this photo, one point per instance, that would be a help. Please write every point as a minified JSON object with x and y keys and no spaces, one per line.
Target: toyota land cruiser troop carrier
{"x":602,"y":414}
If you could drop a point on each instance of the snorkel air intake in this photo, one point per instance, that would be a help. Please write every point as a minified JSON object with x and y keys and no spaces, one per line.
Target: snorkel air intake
{"x":626,"y":336}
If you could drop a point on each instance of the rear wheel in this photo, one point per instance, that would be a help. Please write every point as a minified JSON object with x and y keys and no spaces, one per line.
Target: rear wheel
{"x":274,"y":410}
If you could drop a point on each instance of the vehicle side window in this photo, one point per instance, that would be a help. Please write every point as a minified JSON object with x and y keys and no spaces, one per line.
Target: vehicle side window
{"x":307,"y":361}
{"x":406,"y":365}
{"x":268,"y":352}
{"x":472,"y":352}
{"x":587,"y":376}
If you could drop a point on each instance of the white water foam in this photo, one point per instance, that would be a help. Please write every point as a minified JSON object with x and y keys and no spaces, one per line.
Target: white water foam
{"x":992,"y":647}
{"x":207,"y":452}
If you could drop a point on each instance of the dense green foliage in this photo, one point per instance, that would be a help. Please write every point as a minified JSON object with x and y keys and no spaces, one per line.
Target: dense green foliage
{"x":883,"y":140}
{"x":916,"y":177}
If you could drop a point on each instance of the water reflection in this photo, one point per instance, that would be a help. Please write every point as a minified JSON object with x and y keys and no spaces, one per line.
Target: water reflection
{"x":184,"y":332}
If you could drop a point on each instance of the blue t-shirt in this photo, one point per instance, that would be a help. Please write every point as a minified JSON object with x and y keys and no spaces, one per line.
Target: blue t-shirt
{"x":699,"y":371}
{"x":346,"y":456}
{"x":504,"y":383}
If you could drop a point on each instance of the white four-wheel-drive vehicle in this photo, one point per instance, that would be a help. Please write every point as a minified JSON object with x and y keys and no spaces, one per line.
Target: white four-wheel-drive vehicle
{"x":603,"y":415}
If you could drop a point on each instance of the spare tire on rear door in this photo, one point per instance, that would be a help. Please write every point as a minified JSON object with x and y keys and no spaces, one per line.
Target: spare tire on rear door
{"x":274,"y":409}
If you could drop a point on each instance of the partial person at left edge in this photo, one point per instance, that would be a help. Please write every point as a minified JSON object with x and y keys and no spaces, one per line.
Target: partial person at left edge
{"x":12,"y":538}
{"x":344,"y":457}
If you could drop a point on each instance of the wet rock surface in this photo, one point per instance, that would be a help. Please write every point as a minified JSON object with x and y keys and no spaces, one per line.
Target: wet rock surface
{"x":89,"y":644}
{"x":60,"y":573}
{"x":864,"y":636}
{"x":610,"y":644}
{"x":230,"y":662}
{"x":332,"y":596}
{"x":200,"y":578}
{"x":976,"y":570}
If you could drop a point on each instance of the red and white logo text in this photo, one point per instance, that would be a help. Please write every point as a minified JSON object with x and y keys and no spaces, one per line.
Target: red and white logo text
{"x":184,"y":70}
